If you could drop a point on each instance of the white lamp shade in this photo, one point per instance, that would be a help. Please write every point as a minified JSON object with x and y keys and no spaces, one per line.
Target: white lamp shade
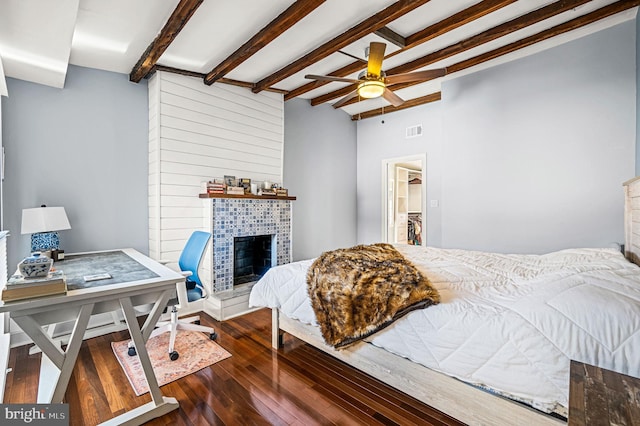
{"x":44,"y":219}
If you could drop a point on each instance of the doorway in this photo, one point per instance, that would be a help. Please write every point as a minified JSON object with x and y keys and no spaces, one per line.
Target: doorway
{"x":404,"y":200}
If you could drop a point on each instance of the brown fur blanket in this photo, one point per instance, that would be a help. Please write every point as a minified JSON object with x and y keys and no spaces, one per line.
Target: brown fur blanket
{"x":360,"y":290}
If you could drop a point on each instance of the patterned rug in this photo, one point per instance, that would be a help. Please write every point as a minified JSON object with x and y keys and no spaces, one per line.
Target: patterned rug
{"x":196,"y":351}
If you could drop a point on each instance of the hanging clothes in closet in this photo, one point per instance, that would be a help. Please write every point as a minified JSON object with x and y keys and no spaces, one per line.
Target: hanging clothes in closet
{"x":415,"y":229}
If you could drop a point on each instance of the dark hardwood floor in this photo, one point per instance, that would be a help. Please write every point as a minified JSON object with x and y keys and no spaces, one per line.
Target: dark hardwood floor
{"x":297,"y":385}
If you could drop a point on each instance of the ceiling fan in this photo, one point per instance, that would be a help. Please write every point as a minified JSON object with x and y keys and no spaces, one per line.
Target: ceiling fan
{"x":373,"y":82}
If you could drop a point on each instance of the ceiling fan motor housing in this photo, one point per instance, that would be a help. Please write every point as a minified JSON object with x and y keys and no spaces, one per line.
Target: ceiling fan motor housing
{"x":364,"y":75}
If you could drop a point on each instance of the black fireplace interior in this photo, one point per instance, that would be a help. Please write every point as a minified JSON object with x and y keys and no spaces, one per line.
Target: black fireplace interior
{"x":251,"y":258}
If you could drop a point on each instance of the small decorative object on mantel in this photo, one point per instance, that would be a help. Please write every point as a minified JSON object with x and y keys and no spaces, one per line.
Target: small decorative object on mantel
{"x":230,"y":181}
{"x":245,"y":183}
{"x":235,"y":190}
{"x":267,"y":191}
{"x":35,"y":266}
{"x":282,"y":192}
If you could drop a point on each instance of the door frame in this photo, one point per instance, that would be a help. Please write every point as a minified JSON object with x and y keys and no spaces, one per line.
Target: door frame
{"x":385,"y":190}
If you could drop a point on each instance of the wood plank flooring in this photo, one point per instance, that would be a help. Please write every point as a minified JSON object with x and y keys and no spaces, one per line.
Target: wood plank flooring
{"x":296,"y":385}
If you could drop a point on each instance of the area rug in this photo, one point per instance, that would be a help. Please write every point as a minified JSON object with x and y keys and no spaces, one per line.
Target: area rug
{"x":196,"y":351}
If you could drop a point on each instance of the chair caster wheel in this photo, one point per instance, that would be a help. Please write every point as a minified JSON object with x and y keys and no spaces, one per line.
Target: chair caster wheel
{"x":213,"y":336}
{"x":197,"y":322}
{"x":131,"y":351}
{"x":174,"y":355}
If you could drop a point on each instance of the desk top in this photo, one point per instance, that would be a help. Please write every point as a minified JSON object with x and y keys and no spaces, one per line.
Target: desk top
{"x":133,"y":272}
{"x":120,"y":266}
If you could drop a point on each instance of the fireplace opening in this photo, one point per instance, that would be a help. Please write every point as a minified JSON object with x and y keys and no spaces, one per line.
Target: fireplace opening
{"x":252,"y":257}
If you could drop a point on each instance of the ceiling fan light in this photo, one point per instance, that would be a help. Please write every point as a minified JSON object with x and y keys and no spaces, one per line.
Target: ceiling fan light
{"x":371,"y":89}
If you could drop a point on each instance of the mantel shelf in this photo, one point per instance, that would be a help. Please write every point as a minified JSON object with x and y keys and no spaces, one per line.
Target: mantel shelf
{"x":250,"y":196}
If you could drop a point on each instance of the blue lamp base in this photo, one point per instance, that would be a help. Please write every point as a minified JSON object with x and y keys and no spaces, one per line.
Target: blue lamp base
{"x":44,"y":241}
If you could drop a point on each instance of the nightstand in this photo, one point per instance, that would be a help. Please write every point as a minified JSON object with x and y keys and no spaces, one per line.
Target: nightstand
{"x":602,"y":397}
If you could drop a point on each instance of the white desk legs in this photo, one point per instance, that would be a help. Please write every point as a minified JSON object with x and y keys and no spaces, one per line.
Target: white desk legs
{"x":159,"y":405}
{"x":56,"y":365}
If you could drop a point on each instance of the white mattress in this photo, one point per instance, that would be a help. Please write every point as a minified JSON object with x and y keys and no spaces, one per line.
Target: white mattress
{"x":509,"y":323}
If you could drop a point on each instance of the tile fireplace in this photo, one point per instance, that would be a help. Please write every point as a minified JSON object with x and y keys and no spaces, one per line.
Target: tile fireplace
{"x":244,"y":222}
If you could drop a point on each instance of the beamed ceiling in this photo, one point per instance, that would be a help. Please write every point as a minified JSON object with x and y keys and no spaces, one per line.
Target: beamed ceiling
{"x":271,"y":45}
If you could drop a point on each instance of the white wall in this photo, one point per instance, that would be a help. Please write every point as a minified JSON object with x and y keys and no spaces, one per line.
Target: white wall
{"x":197,"y":133}
{"x":320,"y":170}
{"x":528,"y":156}
{"x":383,"y":138}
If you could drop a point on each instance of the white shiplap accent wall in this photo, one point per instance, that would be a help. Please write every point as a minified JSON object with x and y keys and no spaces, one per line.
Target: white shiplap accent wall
{"x":197,"y":133}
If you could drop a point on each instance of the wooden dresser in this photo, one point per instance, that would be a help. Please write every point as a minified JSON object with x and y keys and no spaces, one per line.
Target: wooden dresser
{"x":602,"y":397}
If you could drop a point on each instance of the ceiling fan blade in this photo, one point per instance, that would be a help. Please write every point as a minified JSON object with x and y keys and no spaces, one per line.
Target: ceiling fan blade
{"x":376,"y":55}
{"x":416,"y":76}
{"x":346,"y":99}
{"x":392,"y":98}
{"x":329,"y":78}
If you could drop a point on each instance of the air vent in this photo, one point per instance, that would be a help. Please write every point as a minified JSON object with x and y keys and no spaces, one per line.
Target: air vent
{"x":414,"y":131}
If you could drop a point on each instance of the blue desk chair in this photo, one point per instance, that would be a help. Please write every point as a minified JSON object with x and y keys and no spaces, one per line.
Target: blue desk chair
{"x":189,"y":262}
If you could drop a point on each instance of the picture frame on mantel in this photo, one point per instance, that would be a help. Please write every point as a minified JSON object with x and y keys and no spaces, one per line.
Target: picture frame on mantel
{"x":246,"y":184}
{"x":230,"y":180}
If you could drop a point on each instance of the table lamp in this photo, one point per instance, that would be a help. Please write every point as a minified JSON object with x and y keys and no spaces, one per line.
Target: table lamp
{"x":43,"y":223}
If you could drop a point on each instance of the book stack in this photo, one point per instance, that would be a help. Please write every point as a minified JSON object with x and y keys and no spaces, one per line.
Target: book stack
{"x":235,"y":190}
{"x":19,"y":287}
{"x":215,"y":187}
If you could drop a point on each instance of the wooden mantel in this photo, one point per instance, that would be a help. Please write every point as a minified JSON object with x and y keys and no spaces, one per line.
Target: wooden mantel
{"x":250,"y":196}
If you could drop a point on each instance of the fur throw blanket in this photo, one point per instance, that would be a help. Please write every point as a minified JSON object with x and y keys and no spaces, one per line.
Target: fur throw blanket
{"x":360,"y":290}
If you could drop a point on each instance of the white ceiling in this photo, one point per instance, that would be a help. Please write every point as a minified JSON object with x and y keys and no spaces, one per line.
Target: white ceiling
{"x":39,"y":38}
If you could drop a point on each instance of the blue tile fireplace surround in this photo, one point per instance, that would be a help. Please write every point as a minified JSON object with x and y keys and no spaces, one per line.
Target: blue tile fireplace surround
{"x":244,"y":217}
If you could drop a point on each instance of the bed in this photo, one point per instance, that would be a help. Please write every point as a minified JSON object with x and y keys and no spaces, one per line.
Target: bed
{"x":527,"y":315}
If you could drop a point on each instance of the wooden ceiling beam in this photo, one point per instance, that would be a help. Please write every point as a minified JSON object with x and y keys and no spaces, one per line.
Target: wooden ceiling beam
{"x":477,"y":40}
{"x":202,"y":76}
{"x":433,"y":97}
{"x":454,"y":21}
{"x":178,"y":19}
{"x":377,"y":21}
{"x":391,"y":36}
{"x":581,"y":21}
{"x":279,"y":25}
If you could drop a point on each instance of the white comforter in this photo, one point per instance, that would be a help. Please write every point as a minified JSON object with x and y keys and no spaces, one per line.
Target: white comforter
{"x":509,"y":323}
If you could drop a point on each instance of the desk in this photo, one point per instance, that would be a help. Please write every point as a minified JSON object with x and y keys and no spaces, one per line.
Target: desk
{"x":32,"y":315}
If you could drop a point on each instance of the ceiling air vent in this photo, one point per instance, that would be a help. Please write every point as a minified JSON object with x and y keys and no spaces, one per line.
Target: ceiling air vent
{"x":414,"y":131}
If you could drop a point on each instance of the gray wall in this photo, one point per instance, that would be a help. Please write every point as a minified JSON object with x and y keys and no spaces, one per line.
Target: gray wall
{"x":319,"y":169}
{"x":537,"y":149}
{"x":383,"y":138}
{"x":637,"y":37}
{"x":533,"y":152}
{"x":83,"y":147}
